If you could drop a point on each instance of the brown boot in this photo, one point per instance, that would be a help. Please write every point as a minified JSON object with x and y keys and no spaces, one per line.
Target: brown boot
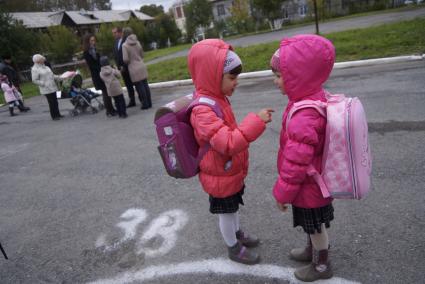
{"x":247,"y":240}
{"x":242,"y":254}
{"x":320,"y":268}
{"x":302,"y":254}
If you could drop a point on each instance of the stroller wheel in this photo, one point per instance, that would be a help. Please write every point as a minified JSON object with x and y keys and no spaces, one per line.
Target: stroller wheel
{"x":73,"y":112}
{"x":101,"y":106}
{"x":93,"y":110}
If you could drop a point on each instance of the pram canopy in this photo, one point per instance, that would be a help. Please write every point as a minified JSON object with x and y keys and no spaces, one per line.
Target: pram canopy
{"x":72,"y":79}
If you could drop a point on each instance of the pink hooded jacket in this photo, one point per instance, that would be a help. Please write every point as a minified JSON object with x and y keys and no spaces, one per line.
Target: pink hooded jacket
{"x":306,"y":62}
{"x":225,"y":166}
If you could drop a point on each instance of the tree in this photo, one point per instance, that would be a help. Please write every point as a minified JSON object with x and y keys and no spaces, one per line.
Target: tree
{"x":168,"y":30}
{"x":198,"y":14}
{"x":59,"y":44}
{"x":17,"y":41}
{"x":241,"y":20}
{"x":271,"y":9}
{"x":105,"y":39}
{"x":152,"y":10}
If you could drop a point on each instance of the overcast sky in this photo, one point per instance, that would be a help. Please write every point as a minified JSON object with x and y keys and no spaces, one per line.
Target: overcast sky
{"x":136,"y":4}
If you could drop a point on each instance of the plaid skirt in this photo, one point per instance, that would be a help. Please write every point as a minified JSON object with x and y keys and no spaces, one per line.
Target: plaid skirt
{"x":311,"y":219}
{"x":228,"y":204}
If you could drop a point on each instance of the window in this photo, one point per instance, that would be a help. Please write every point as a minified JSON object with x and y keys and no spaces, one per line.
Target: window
{"x":220,"y":10}
{"x":302,"y":10}
{"x":179,"y":12}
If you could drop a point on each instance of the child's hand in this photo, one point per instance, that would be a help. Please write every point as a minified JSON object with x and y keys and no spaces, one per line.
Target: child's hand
{"x":265,"y":114}
{"x":282,"y":207}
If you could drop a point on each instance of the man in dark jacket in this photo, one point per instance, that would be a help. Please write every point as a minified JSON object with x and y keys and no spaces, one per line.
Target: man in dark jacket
{"x":6,"y":68}
{"x":119,"y":40}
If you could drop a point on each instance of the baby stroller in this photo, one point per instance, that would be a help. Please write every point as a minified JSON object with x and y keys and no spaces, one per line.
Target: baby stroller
{"x":81,"y":99}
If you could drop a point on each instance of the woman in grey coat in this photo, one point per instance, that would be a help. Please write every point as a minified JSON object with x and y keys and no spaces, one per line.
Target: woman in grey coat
{"x":43,"y":76}
{"x":132,"y":52}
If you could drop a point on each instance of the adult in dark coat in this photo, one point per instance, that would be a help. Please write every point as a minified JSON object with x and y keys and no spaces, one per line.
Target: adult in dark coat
{"x":92,"y":58}
{"x":119,"y":40}
{"x":6,"y":68}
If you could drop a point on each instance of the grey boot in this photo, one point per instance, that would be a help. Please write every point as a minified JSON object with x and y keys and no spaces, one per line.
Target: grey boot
{"x":247,"y":240}
{"x":302,"y":254}
{"x":319,"y":268}
{"x":242,"y":254}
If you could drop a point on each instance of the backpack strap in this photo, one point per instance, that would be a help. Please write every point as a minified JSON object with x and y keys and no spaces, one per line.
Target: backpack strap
{"x":321,"y":108}
{"x":210,"y":102}
{"x":317,"y":105}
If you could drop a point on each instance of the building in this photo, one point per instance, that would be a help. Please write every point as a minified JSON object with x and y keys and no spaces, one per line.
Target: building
{"x":291,"y":10}
{"x":221,"y":9}
{"x":81,"y":21}
{"x":179,"y":16}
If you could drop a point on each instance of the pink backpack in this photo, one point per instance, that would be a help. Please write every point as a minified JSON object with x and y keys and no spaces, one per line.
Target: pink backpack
{"x":347,"y":162}
{"x":178,"y":148}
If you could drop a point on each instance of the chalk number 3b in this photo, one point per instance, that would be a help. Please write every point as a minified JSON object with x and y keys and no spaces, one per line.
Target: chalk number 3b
{"x":162,"y":229}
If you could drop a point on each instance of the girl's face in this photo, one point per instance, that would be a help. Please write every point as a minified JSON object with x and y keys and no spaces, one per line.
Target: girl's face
{"x":278,"y":81}
{"x":92,"y":41}
{"x":228,"y":84}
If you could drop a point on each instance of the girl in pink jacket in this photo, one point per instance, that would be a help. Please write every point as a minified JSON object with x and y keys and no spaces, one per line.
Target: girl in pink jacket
{"x":214,"y":69}
{"x":302,"y":65}
{"x":12,"y":96}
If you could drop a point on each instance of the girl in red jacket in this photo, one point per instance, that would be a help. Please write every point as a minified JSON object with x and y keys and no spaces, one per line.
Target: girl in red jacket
{"x":302,"y":65}
{"x":214,"y":69}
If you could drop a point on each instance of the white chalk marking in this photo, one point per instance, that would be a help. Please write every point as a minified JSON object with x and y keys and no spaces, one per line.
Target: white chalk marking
{"x":219,"y":266}
{"x":129,"y":227}
{"x":165,"y":226}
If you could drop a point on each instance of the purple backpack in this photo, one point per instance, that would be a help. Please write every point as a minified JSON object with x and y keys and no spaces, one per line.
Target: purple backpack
{"x":178,"y":148}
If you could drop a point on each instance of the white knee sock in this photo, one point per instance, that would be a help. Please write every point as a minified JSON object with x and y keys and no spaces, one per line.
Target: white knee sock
{"x":320,"y":241}
{"x":237,"y":226}
{"x":228,"y":228}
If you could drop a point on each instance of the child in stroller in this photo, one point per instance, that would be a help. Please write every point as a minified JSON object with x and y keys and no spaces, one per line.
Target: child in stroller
{"x":81,"y":99}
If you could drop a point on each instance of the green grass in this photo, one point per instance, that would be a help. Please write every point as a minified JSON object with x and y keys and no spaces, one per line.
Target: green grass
{"x":401,"y":38}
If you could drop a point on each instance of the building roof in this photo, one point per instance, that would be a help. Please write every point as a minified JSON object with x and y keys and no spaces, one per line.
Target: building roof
{"x":83,"y":17}
{"x":38,"y":19}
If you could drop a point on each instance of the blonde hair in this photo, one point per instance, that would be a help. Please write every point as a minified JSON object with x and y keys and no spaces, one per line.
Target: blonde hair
{"x":37,"y":58}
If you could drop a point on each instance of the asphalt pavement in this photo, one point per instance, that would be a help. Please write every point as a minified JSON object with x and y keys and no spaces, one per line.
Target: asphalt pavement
{"x":86,"y":198}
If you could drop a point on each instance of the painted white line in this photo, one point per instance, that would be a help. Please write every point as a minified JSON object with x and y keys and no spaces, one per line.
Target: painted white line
{"x":266,"y":73}
{"x":219,"y":266}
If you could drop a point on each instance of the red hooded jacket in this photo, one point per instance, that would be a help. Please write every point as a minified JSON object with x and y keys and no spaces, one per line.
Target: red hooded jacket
{"x":225,"y":166}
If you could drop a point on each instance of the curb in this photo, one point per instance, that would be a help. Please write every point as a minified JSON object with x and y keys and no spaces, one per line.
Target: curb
{"x":267,"y":73}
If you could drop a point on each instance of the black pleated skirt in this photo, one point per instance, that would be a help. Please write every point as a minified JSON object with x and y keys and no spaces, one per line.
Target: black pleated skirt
{"x":311,"y":219}
{"x":228,"y":204}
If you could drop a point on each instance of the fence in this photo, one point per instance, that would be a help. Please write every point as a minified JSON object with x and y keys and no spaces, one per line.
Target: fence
{"x":59,"y":69}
